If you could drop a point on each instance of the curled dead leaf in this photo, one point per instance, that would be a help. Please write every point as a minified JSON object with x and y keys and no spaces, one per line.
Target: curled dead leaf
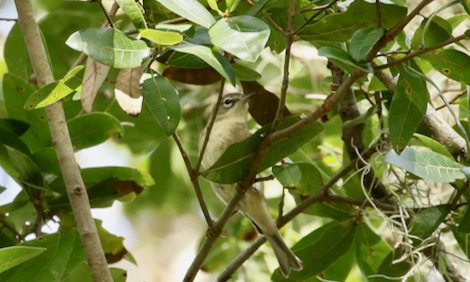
{"x":95,"y":75}
{"x":127,"y":90}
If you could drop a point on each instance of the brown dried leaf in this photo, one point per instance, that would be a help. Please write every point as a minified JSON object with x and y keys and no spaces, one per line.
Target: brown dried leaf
{"x":127,"y":90}
{"x":197,"y":76}
{"x":262,"y":105}
{"x":95,"y":75}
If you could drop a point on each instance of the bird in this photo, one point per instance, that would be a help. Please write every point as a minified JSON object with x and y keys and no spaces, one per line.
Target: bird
{"x":230,"y":126}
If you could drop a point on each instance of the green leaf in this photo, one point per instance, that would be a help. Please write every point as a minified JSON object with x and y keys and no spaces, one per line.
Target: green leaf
{"x":110,"y":47}
{"x":320,"y":249}
{"x":15,"y":54}
{"x":11,"y":139}
{"x":462,"y":239}
{"x":214,"y":59}
{"x":451,"y":63}
{"x":431,"y":32}
{"x":104,"y":186}
{"x":17,"y":127}
{"x":132,"y":10}
{"x":15,"y":255}
{"x":113,"y":245}
{"x":464,"y":225}
{"x":161,"y":37}
{"x":364,"y":40}
{"x":163,"y":101}
{"x":20,"y":167}
{"x":93,"y":128}
{"x":370,"y":250}
{"x":407,"y":109}
{"x":427,"y":221}
{"x":305,"y":177}
{"x":431,"y":144}
{"x":242,"y":36}
{"x":389,"y":268}
{"x":426,"y":164}
{"x":234,"y":163}
{"x":244,"y":73}
{"x":64,"y":253}
{"x":191,"y":10}
{"x":339,"y":27}
{"x":54,"y":92}
{"x":342,"y":59}
{"x":15,"y":92}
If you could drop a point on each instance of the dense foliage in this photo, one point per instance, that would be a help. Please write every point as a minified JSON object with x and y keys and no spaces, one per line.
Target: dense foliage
{"x":371,"y":148}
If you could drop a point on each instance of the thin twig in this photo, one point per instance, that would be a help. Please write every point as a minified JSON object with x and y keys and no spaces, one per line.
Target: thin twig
{"x":202,"y":150}
{"x":378,"y":13}
{"x":314,"y":16}
{"x":421,"y":52}
{"x":8,"y":19}
{"x":285,"y":79}
{"x":108,"y":17}
{"x":394,"y":31}
{"x":193,"y":175}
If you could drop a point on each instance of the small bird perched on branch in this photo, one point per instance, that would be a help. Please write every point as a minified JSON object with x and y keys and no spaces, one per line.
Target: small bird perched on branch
{"x":230,"y":127}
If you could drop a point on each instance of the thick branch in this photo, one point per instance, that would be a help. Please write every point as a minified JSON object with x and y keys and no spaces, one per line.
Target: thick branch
{"x":352,"y":135}
{"x":61,"y":139}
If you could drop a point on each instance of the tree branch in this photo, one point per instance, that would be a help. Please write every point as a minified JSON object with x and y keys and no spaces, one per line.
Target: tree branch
{"x":76,"y":189}
{"x":352,"y":134}
{"x":193,"y":175}
{"x":422,"y":51}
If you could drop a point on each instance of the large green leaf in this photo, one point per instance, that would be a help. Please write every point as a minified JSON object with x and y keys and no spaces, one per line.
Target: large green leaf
{"x":426,"y":164}
{"x":212,"y":58}
{"x":15,"y":54}
{"x":15,"y":92}
{"x":388,"y":268}
{"x":93,"y":128}
{"x":370,"y":250}
{"x":305,"y":177}
{"x":426,"y":222}
{"x":431,"y":31}
{"x":342,"y":59}
{"x":242,"y":36}
{"x":360,"y":14}
{"x":191,"y":10}
{"x":15,"y":255}
{"x":320,"y":249}
{"x":364,"y":40}
{"x":20,"y":167}
{"x":451,"y":63}
{"x":462,"y":240}
{"x":104,"y":186}
{"x":132,"y":10}
{"x":234,"y":163}
{"x":163,"y":101}
{"x":464,"y":225}
{"x":110,"y":47}
{"x":54,"y":92}
{"x":407,"y":109}
{"x":64,"y":253}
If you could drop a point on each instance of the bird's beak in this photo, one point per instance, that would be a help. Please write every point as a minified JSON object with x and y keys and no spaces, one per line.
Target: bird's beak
{"x":247,"y":97}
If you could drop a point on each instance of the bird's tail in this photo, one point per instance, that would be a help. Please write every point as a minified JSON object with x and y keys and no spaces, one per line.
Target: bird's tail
{"x":287,"y":259}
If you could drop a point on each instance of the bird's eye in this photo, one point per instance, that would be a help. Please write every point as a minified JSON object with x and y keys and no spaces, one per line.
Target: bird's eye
{"x":228,"y":103}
